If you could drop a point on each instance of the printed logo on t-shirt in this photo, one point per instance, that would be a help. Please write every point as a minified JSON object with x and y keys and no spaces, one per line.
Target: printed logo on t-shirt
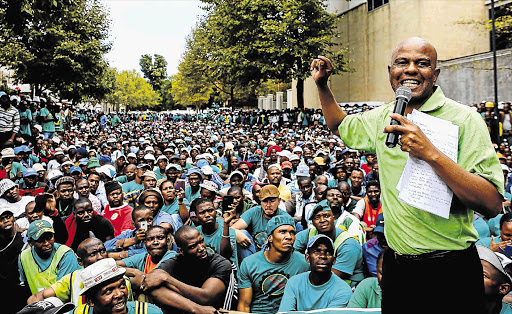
{"x":210,"y":249}
{"x":260,"y":239}
{"x":114,"y":216}
{"x":274,"y":284}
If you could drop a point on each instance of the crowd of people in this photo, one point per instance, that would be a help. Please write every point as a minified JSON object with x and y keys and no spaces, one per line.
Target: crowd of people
{"x":262,"y":212}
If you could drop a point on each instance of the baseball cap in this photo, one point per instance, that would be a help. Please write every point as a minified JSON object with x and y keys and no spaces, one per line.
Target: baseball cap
{"x":6,"y":185}
{"x":100,"y":272}
{"x":4,"y":209}
{"x":278,"y":221}
{"x":54,"y":174}
{"x":105,"y":159}
{"x":269,"y":191}
{"x":29,"y":172}
{"x":194,"y":170}
{"x":236,"y":172}
{"x":379,"y":225}
{"x":294,"y":157}
{"x":320,"y":238}
{"x":149,"y":157}
{"x":209,"y":185}
{"x":83,"y":162}
{"x":38,"y":167}
{"x":51,"y":305}
{"x":489,"y":256}
{"x":144,"y":166}
{"x":37,"y":228}
{"x":151,"y":174}
{"x":93,"y":163}
{"x":302,"y":171}
{"x":322,"y":206}
{"x":287,"y":164}
{"x":175,"y":166}
{"x":75,"y":169}
{"x":131,"y":155}
{"x":319,"y":161}
{"x":8,"y":152}
{"x":207,"y":170}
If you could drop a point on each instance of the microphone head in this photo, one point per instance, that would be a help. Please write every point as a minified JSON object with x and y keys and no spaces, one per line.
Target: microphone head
{"x":403,"y":92}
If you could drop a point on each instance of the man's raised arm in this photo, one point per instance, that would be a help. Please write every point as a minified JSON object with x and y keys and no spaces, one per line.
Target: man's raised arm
{"x":321,"y":69}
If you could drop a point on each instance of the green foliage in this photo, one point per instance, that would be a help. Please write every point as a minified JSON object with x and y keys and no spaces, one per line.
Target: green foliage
{"x":242,"y":43}
{"x":154,"y":69}
{"x":57,"y":45}
{"x":133,"y":91}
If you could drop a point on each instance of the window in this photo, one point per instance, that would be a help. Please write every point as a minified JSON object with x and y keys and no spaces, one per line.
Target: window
{"x":375,"y":4}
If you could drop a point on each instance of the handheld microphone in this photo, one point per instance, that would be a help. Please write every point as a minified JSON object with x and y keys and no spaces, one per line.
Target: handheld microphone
{"x":403,"y":94}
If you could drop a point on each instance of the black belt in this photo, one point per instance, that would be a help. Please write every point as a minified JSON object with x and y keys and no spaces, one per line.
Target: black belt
{"x":403,"y":258}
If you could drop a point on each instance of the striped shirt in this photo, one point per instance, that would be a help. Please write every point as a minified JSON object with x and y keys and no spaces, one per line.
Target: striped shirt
{"x":9,"y":120}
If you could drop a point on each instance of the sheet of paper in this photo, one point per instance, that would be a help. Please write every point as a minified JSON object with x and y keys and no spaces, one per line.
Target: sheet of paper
{"x":420,"y":186}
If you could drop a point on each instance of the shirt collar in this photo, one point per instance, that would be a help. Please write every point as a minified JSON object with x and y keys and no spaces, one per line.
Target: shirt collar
{"x":435,"y":101}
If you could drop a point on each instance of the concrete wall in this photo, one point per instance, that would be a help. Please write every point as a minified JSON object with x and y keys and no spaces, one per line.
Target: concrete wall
{"x":371,"y":37}
{"x":471,"y":79}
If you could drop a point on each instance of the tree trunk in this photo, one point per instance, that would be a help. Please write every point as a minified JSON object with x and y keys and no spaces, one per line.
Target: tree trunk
{"x":300,"y":93}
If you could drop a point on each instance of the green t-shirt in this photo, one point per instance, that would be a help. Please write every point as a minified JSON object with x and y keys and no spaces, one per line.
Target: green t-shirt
{"x":410,"y":230}
{"x":349,"y":255}
{"x":213,"y":240}
{"x":367,"y":294}
{"x":47,"y":126}
{"x":301,"y":295}
{"x":257,"y":223}
{"x":268,"y":280}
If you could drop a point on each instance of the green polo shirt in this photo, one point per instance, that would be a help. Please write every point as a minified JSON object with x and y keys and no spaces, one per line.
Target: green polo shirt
{"x":410,"y":230}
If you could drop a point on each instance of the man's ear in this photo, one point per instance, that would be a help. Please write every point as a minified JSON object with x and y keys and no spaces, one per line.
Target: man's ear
{"x":89,"y":301}
{"x":504,"y":289}
{"x":179,"y":251}
{"x":307,"y":258}
{"x":80,"y":261}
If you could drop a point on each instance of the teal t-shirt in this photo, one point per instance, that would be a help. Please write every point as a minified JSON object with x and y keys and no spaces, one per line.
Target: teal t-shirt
{"x":349,"y":255}
{"x":138,"y":261}
{"x":268,"y":280}
{"x":47,"y":126}
{"x":174,"y":208}
{"x":190,"y":196}
{"x":257,"y":223}
{"x":213,"y":240}
{"x":487,"y":241}
{"x":494,"y":225}
{"x":506,"y":308}
{"x":482,"y":228}
{"x":301,"y":295}
{"x":367,"y":294}
{"x":131,"y":186}
{"x":159,"y":174}
{"x":25,"y":128}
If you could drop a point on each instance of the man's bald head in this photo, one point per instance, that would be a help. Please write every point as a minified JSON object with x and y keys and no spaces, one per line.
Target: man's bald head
{"x":416,"y":42}
{"x":413,"y":65}
{"x":89,"y":251}
{"x":183,"y":234}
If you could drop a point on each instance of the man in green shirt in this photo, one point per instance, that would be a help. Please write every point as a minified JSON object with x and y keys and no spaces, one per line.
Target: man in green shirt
{"x":417,"y":238}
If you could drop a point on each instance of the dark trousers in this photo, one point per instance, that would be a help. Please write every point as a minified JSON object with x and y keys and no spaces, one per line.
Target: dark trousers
{"x":438,"y":282}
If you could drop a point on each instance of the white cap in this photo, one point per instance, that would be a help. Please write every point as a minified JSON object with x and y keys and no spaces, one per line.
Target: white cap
{"x":99,"y":272}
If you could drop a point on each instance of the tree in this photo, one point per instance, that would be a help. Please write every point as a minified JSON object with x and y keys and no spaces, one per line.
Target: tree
{"x":133,"y":91}
{"x":255,"y":40}
{"x":56,"y":45}
{"x":154,"y":69}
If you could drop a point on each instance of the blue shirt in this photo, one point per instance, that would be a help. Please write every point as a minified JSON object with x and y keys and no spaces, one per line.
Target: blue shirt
{"x":371,"y":251}
{"x":138,"y":261}
{"x":137,"y":248}
{"x":301,"y":295}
